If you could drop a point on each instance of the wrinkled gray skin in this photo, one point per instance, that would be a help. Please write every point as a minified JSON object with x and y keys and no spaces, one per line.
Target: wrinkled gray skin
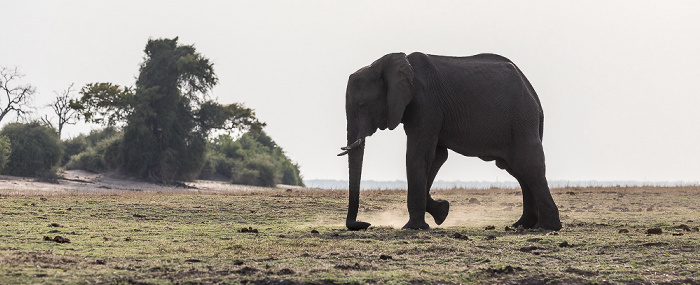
{"x":480,"y":106}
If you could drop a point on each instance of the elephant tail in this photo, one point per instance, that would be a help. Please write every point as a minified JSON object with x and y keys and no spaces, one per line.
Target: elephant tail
{"x":541,"y":124}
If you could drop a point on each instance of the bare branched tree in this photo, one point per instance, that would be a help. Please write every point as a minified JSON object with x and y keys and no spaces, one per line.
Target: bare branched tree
{"x":61,"y":107}
{"x":17,"y":96}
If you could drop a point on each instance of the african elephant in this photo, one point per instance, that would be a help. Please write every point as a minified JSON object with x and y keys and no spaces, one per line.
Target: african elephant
{"x":480,"y":106}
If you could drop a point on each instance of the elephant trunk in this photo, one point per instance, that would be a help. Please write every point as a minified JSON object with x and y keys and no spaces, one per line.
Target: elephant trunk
{"x":356,"y":151}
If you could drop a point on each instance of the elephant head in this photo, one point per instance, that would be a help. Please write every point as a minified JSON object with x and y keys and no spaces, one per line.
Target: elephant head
{"x":376,"y":98}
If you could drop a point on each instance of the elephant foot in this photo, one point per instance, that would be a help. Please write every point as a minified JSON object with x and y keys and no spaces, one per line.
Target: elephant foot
{"x":553,"y":224}
{"x":439,"y":210}
{"x":356,"y":225}
{"x":526,"y":222}
{"x":416,"y":225}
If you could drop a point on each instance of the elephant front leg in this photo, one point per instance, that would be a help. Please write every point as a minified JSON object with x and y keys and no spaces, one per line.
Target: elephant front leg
{"x":416,"y":201}
{"x":417,"y":174}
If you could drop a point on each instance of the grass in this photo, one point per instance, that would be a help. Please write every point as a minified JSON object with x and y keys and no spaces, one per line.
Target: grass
{"x":165,"y":237}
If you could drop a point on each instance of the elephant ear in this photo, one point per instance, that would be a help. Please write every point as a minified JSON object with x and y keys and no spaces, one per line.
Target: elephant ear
{"x":398,"y":79}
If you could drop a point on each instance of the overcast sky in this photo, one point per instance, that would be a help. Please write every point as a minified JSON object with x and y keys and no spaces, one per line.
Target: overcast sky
{"x":619,"y":81}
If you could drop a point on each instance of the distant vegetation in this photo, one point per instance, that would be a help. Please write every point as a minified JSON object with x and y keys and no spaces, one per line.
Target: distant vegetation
{"x":34,"y":150}
{"x":253,"y":159}
{"x":159,"y":130}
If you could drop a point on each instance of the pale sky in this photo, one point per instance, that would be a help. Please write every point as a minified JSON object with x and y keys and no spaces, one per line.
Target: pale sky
{"x":619,"y":81}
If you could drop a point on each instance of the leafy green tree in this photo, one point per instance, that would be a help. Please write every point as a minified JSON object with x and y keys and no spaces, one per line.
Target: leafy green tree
{"x":104,"y":103}
{"x":36,"y":149}
{"x":168,"y":115}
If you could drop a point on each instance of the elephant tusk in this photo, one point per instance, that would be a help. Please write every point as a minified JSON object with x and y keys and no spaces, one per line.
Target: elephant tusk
{"x":347,"y":149}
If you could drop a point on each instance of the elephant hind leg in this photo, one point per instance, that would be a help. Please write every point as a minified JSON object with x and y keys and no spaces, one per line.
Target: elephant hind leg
{"x":539,"y":209}
{"x":529,"y":216}
{"x":436,"y":208}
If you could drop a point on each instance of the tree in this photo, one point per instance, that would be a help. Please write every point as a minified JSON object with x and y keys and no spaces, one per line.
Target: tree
{"x":104,"y":103}
{"x":17,"y":96}
{"x":61,"y":107}
{"x":168,"y":115}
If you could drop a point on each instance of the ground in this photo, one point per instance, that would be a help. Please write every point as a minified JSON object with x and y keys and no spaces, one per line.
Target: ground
{"x":105,"y":229}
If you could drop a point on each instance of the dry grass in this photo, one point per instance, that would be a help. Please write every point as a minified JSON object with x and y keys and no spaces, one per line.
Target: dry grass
{"x":137,"y":237}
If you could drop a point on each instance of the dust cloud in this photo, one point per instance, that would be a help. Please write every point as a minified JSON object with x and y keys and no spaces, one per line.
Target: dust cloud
{"x":492,"y":211}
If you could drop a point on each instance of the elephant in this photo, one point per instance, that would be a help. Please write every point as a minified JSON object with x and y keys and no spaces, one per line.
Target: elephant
{"x":477,"y":106}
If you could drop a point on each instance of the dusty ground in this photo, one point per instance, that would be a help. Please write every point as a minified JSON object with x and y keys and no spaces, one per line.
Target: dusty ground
{"x":78,"y":181}
{"x":104,"y":229}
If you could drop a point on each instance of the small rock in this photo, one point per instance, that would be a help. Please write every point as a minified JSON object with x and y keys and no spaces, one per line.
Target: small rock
{"x":100,"y":262}
{"x":105,"y":238}
{"x":623,"y":231}
{"x":654,"y":231}
{"x":677,"y":234}
{"x":248,"y":230}
{"x":128,"y":239}
{"x":315,"y":232}
{"x":55,"y":225}
{"x":474,"y":201}
{"x":238,"y":262}
{"x":285,"y":271}
{"x":490,"y":238}
{"x":490,"y":228}
{"x":60,"y":239}
{"x":192,"y":260}
{"x":385,"y":257}
{"x":509,"y":229}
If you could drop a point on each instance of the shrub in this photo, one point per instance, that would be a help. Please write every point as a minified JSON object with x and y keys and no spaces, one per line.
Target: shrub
{"x":89,"y":160}
{"x":5,"y":151}
{"x":258,"y":171}
{"x":73,"y":147}
{"x":99,"y":155}
{"x":253,"y":159}
{"x":35,"y":149}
